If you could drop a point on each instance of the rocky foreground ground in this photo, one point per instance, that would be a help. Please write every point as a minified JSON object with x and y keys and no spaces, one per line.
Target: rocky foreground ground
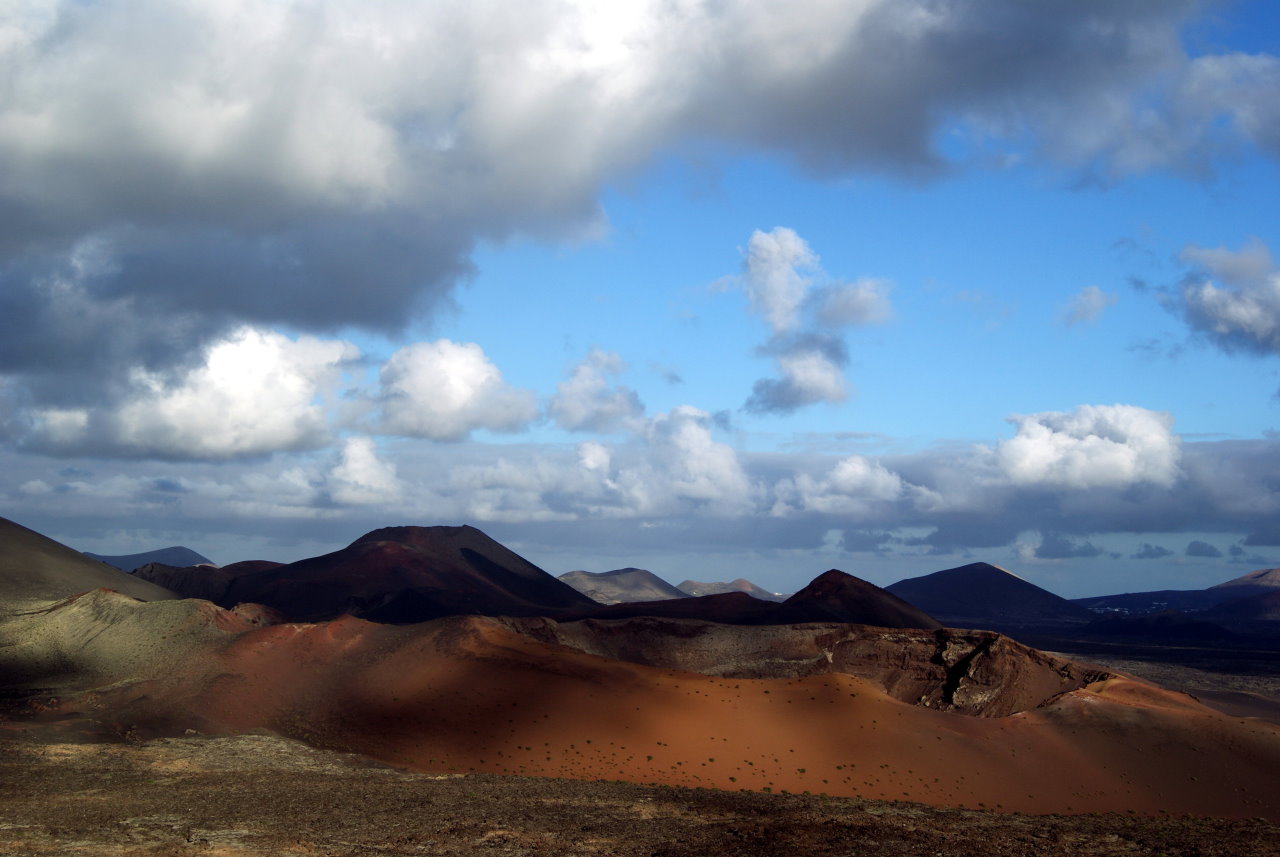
{"x":66,"y":794}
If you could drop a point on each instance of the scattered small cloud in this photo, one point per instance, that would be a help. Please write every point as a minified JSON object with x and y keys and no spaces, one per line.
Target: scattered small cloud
{"x":1241,"y":314}
{"x":788,"y":288}
{"x":1058,"y":546}
{"x":1150,"y":551}
{"x":1087,"y":306}
{"x":586,"y":402}
{"x":1202,"y":549}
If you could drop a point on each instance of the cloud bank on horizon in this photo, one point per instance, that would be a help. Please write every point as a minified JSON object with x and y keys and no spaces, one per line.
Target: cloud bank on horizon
{"x":236,"y":236}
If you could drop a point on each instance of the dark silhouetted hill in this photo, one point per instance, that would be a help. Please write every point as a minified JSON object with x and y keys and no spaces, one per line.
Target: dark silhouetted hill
{"x":402,"y":575}
{"x":984,"y":595}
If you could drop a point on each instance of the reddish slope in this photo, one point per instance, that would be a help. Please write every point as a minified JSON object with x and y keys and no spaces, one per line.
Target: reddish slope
{"x":409,"y":574}
{"x":466,"y":694}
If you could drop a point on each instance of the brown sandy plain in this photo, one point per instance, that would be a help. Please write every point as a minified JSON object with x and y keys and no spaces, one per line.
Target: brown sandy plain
{"x":258,"y":795}
{"x":471,"y":695}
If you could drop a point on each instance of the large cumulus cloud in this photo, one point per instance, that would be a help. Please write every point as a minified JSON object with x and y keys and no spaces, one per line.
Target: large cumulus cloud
{"x":181,"y":168}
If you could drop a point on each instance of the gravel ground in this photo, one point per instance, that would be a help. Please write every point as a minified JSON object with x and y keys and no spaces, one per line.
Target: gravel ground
{"x":65,"y":793}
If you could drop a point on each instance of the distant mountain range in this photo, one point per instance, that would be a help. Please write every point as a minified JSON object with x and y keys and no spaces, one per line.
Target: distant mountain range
{"x":696,"y":587}
{"x":176,"y":555}
{"x":403,"y":575}
{"x":621,"y":585}
{"x":843,"y":688}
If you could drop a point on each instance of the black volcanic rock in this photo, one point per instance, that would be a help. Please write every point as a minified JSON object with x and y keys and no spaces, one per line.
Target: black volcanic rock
{"x":980,"y":594}
{"x":730,"y":608}
{"x":1170,"y":626}
{"x":35,"y":568}
{"x":409,"y":574}
{"x":621,"y":586}
{"x":1258,"y":613}
{"x":1157,"y":601}
{"x":176,"y":556}
{"x":201,"y":581}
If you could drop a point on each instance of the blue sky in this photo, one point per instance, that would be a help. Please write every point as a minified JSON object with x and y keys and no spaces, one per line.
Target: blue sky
{"x":718,"y":290}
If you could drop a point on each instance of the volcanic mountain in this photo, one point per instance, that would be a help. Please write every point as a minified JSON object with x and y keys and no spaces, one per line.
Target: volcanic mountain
{"x":475,"y":694}
{"x":621,"y":585}
{"x":209,"y":582}
{"x":35,"y":568}
{"x":697,"y":587}
{"x":1257,"y":613}
{"x":176,"y":556}
{"x":1258,"y":582}
{"x":832,"y":596}
{"x":409,"y":574}
{"x":835,"y":708}
{"x":982,"y":595}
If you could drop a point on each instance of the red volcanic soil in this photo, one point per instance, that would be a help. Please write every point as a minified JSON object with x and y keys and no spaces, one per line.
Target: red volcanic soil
{"x":468,"y":694}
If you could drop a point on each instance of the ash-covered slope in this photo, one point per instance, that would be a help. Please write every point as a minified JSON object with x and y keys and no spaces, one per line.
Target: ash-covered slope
{"x":741,"y":584}
{"x":409,"y":574}
{"x":177,"y":556}
{"x":980,"y":594}
{"x":622,"y":585}
{"x":35,"y":568}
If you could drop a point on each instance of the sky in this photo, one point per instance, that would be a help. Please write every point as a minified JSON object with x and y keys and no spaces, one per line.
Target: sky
{"x":716,"y":289}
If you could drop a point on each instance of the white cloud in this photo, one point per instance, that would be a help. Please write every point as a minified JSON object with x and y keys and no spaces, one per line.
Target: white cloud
{"x":685,"y":460}
{"x":1092,"y":446}
{"x":444,"y":390}
{"x":779,"y":278}
{"x":1245,"y":313}
{"x":256,"y":393}
{"x":855,"y":487}
{"x":807,"y":375}
{"x":863,"y":302}
{"x":253,"y":392}
{"x":361,"y":478}
{"x":1087,"y":306}
{"x":585,"y":402}
{"x":777,"y":275}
